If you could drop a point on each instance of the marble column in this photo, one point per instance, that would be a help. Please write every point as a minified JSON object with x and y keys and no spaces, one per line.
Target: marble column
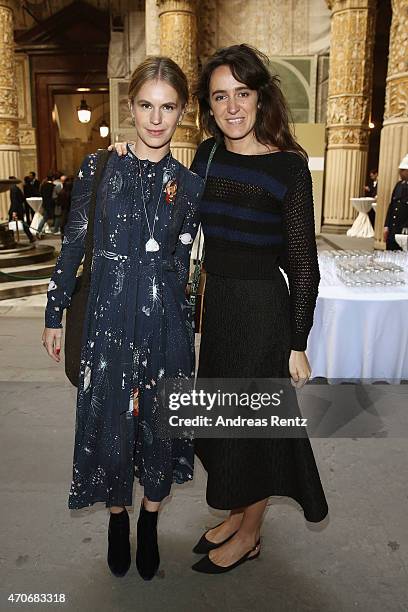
{"x":9,"y":143}
{"x":348,"y":108}
{"x":152,"y":30}
{"x":394,"y":134}
{"x":178,"y":40}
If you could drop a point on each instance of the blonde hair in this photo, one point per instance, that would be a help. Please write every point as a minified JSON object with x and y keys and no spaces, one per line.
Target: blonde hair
{"x":159,"y":68}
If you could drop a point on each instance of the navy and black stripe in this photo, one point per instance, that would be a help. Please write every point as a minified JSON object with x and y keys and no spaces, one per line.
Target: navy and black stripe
{"x":256,"y":213}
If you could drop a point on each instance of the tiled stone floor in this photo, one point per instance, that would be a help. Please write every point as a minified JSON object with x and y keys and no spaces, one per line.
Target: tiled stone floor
{"x":357,"y":559}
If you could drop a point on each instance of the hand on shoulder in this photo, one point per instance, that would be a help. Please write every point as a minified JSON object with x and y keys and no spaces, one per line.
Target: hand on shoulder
{"x":120,"y":147}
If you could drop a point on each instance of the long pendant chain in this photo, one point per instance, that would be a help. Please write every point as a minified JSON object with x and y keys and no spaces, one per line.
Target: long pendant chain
{"x":152,"y":245}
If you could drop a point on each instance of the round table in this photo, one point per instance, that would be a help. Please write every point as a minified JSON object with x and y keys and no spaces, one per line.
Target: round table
{"x":402,"y":241}
{"x":362,"y":227}
{"x":35,"y":204}
{"x":359,"y":332}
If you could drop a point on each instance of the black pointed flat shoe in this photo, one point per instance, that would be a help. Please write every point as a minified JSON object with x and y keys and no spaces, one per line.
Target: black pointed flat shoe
{"x":204,"y":546}
{"x":206,"y":566}
{"x":119,"y":558}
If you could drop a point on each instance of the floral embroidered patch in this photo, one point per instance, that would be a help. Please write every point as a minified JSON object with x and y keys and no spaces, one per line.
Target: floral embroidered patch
{"x":171,"y":190}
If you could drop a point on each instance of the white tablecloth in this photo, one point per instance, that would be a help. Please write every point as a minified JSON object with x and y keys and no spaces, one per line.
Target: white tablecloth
{"x":362,"y":227}
{"x":35,"y":203}
{"x":359,"y":332}
{"x":402,"y":240}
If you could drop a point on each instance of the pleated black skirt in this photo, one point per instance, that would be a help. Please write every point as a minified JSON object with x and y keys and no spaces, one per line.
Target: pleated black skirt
{"x":246,"y":333}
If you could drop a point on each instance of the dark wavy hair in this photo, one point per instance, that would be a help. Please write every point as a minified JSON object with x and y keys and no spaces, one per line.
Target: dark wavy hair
{"x":274,"y":124}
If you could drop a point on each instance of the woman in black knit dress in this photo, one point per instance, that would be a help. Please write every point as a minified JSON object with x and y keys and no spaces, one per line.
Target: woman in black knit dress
{"x":257,"y":215}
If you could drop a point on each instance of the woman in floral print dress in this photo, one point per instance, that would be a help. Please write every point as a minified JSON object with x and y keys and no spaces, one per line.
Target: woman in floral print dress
{"x":137,"y":328}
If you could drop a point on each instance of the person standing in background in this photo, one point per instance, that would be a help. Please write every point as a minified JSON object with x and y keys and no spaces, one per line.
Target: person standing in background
{"x":48,"y":203}
{"x":370,"y":191}
{"x":59,"y":179}
{"x":397,"y":213}
{"x":64,"y":203}
{"x":16,"y":210}
{"x":35,"y":184}
{"x":28,"y":193}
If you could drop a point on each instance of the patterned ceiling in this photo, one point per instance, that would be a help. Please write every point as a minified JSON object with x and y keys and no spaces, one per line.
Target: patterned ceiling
{"x":43,"y":9}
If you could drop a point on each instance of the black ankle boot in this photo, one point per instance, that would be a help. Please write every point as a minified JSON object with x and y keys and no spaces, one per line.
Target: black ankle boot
{"x":147,"y":555}
{"x":118,"y":543}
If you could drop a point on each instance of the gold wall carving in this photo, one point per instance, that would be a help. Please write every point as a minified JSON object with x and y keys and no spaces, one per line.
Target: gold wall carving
{"x":27,"y":136}
{"x":292,"y":27}
{"x":8,"y":132}
{"x":339,"y":136}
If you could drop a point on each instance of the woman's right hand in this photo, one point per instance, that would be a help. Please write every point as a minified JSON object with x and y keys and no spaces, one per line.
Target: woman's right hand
{"x":51,"y":340}
{"x":121,"y":147}
{"x":299,"y":369}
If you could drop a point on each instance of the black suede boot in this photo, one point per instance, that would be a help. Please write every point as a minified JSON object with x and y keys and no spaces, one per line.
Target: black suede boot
{"x":118,"y":543}
{"x":147,"y":555}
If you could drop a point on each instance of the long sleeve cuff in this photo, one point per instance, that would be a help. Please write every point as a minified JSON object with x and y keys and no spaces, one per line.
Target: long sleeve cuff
{"x":298,"y":341}
{"x":53,"y":317}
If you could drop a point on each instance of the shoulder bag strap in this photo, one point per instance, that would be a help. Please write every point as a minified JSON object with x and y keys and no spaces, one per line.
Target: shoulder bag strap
{"x":197,"y":267}
{"x":210,"y":158}
{"x":102,"y":158}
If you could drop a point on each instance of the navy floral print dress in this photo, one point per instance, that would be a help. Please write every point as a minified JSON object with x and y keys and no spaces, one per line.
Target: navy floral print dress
{"x":138,"y":328}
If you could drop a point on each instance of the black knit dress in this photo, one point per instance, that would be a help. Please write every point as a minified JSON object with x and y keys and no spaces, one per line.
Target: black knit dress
{"x":257,"y":215}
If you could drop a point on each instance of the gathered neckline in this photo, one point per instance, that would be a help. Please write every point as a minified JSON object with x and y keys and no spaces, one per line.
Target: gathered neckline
{"x":251,"y":154}
{"x":146,"y":161}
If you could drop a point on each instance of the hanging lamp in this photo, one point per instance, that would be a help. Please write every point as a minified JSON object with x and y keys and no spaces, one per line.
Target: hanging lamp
{"x":103,"y":126}
{"x":84,"y":112}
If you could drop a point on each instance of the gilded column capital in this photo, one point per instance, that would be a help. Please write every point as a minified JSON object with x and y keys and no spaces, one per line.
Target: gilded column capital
{"x":341,"y":5}
{"x":179,"y":6}
{"x":9,"y":4}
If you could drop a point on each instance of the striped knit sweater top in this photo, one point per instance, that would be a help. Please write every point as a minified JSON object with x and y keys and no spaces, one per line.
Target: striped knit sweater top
{"x":257,"y":213}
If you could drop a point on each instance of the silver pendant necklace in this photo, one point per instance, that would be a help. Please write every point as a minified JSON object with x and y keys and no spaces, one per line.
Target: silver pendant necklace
{"x":152,"y":245}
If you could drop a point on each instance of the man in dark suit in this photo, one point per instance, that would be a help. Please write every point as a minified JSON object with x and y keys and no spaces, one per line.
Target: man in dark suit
{"x":397,"y":214}
{"x":16,"y":210}
{"x":370,"y":191}
{"x":35,"y":185}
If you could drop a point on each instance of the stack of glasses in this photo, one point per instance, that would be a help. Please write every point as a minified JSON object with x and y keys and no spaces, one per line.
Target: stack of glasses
{"x":358,"y":268}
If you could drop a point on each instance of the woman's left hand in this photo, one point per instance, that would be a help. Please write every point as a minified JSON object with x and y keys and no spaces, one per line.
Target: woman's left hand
{"x":299,"y":368}
{"x":121,"y":147}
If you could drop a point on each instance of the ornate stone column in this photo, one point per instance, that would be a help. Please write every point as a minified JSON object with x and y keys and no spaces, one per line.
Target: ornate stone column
{"x":9,"y":143}
{"x":348,"y":108}
{"x":178,"y":40}
{"x":152,"y":34}
{"x":394,"y":134}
